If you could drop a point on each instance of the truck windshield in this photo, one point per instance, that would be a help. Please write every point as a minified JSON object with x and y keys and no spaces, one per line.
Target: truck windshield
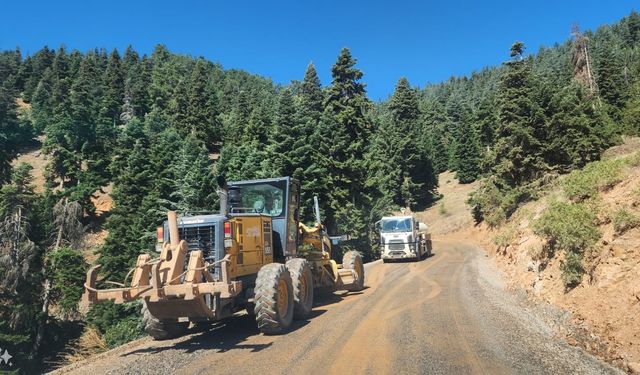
{"x":396,"y":225}
{"x":264,"y":198}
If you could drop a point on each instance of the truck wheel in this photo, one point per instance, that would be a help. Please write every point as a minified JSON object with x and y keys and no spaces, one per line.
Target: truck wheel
{"x":429,"y":248}
{"x":302,"y":282}
{"x":352,"y":260}
{"x":160,"y":330}
{"x":273,"y":299}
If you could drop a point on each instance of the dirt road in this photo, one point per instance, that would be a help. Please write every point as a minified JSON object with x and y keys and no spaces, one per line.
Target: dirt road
{"x":447,"y":314}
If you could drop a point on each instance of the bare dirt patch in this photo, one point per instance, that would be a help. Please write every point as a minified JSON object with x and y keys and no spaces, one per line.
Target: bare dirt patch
{"x":33,"y":155}
{"x":450,"y":213}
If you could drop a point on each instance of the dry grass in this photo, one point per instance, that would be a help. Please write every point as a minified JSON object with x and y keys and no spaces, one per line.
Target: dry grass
{"x":88,"y":344}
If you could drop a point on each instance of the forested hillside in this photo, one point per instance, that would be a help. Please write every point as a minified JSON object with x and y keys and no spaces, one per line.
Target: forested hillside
{"x":152,"y":126}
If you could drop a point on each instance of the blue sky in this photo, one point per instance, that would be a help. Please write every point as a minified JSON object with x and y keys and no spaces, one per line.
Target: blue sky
{"x":425,"y":41}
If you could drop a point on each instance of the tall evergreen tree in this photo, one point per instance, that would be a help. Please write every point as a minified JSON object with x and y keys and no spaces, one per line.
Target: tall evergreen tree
{"x":405,"y":171}
{"x":202,"y":106}
{"x":577,"y":129}
{"x":194,"y":182}
{"x":9,"y":126}
{"x":610,"y":79}
{"x":517,"y":154}
{"x":112,"y":99}
{"x":309,"y":145}
{"x":281,"y":150}
{"x":467,"y":153}
{"x":125,"y":241}
{"x":346,"y":131}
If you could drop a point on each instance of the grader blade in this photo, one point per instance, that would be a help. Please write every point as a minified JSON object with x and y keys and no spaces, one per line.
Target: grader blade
{"x":169,"y":290}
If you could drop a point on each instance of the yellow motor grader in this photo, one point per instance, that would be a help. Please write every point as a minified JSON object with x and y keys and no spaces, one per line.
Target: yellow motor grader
{"x":255,"y":256}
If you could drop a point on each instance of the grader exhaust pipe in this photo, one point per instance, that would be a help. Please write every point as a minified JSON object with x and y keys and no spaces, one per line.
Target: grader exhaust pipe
{"x":174,"y":235}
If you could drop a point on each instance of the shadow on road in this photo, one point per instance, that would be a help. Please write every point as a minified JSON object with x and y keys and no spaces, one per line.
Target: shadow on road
{"x":324,"y":298}
{"x":401,"y":260}
{"x":220,"y":336}
{"x":232,"y":332}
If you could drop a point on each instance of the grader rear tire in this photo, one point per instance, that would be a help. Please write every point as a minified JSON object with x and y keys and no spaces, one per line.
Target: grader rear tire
{"x":160,"y":330}
{"x":302,"y":282}
{"x":273,"y":299}
{"x":352,"y":260}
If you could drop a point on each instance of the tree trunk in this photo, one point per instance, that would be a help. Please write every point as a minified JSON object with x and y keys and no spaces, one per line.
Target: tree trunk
{"x":42,"y":325}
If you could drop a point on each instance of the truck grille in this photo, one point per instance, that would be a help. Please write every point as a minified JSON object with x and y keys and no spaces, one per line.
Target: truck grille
{"x":396,"y":245}
{"x":200,"y":238}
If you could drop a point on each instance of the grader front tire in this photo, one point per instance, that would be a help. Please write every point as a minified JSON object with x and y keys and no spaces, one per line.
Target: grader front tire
{"x":160,"y":330}
{"x":352,"y":260}
{"x":273,"y":299}
{"x":302,"y":282}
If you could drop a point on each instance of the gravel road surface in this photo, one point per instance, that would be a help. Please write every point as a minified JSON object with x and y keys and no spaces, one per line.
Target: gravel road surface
{"x":448,"y":314}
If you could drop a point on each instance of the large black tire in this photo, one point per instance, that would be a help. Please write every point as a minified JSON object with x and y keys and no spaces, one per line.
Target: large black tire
{"x":352,"y":260}
{"x":160,"y":330}
{"x":302,"y":282}
{"x":273,"y":299}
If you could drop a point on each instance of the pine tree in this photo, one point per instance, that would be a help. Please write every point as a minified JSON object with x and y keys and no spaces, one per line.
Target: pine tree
{"x":20,"y":254}
{"x":631,"y":115}
{"x":485,"y":120}
{"x":347,"y":131}
{"x":281,"y":150}
{"x":34,"y":70}
{"x":9,"y":126}
{"x":458,"y":113}
{"x":406,"y":174}
{"x":517,"y":154}
{"x":42,"y":106}
{"x":467,"y":153}
{"x":124,"y":242}
{"x":309,"y":144}
{"x":577,"y":133}
{"x":202,"y":107}
{"x":194,"y":183}
{"x":112,"y":99}
{"x":439,"y":153}
{"x":610,"y":79}
{"x":311,"y":96}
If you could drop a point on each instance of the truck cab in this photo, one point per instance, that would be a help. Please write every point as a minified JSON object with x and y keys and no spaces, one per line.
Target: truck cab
{"x":403,"y":237}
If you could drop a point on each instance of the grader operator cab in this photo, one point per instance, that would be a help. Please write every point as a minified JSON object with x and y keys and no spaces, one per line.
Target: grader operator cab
{"x":255,"y":256}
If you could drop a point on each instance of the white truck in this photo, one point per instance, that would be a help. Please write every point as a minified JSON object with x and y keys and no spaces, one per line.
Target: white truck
{"x":403,"y":237}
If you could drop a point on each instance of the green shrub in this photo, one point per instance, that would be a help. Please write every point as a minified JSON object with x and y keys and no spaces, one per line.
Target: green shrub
{"x":494,"y":205}
{"x":123,"y":331}
{"x":633,"y":160}
{"x":506,"y":236}
{"x":623,"y":220}
{"x":568,"y":226}
{"x":597,"y":176}
{"x":116,"y":322}
{"x":68,"y":268}
{"x":442,"y":209}
{"x":572,"y":270}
